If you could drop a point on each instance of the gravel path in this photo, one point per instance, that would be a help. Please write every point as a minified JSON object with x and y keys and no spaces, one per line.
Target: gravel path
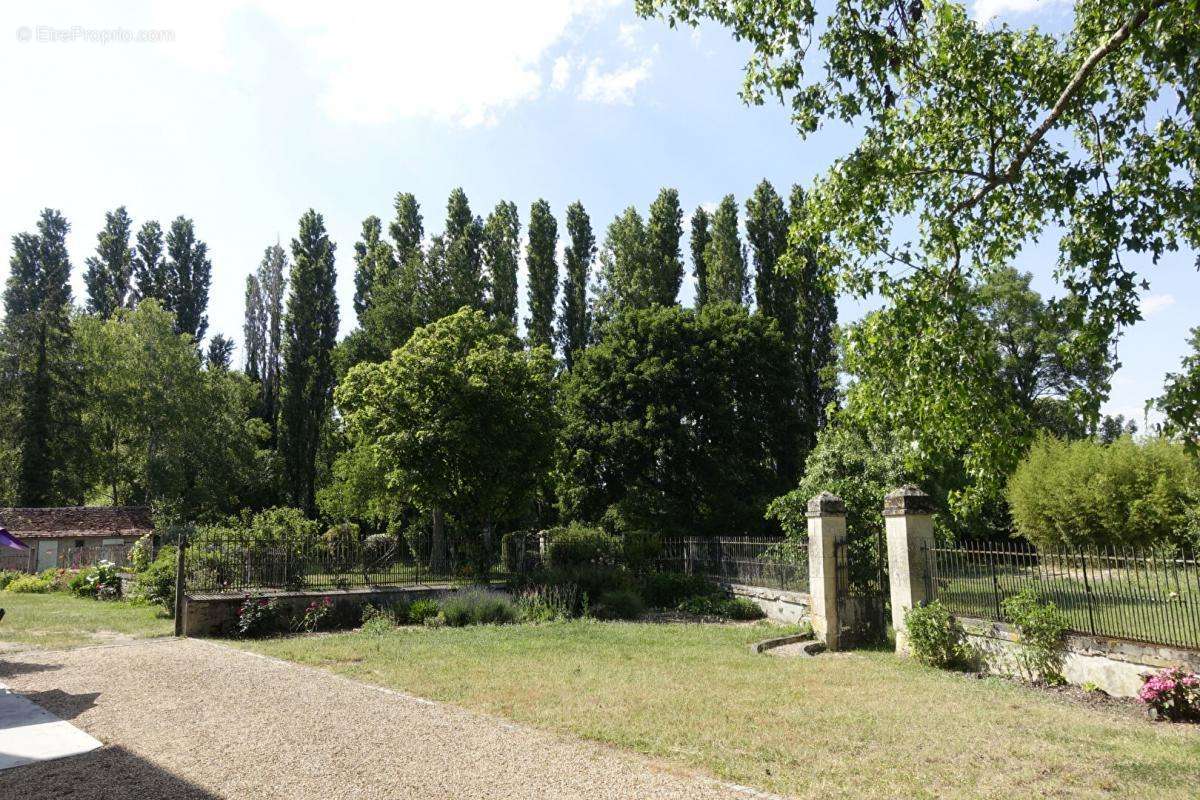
{"x":192,"y":720}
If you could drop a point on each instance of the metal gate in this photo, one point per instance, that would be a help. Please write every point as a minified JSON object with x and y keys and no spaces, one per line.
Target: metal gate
{"x":861,"y":590}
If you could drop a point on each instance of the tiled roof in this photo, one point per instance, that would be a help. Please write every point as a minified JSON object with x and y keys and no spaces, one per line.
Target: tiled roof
{"x":79,"y":521}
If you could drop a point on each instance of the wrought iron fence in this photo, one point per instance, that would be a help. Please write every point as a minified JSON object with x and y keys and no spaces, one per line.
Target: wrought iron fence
{"x":1122,"y":593}
{"x":773,"y":563}
{"x":18,"y":560}
{"x":224,"y":563}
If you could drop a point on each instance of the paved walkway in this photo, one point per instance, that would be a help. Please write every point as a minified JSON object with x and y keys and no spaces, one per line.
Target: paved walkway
{"x":192,"y":720}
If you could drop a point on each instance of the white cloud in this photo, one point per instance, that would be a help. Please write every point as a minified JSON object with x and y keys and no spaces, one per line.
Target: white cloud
{"x":560,"y":74}
{"x":627,"y":33}
{"x":615,"y":87}
{"x":985,"y":10}
{"x":465,"y":62}
{"x":1154,"y":303}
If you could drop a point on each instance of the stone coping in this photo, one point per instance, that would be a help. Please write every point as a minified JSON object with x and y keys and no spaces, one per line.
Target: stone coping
{"x":1127,"y":650}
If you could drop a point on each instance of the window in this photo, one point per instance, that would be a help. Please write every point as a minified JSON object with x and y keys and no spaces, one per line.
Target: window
{"x":107,"y":542}
{"x":79,"y":543}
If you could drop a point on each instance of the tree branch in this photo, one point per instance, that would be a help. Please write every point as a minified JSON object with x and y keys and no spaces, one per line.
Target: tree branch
{"x":1010,"y":174}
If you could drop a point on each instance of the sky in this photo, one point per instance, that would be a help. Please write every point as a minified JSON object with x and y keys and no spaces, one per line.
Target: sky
{"x":242,"y":114}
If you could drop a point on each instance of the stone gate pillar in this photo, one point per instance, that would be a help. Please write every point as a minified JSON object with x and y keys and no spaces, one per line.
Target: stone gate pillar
{"x":908,"y":517}
{"x":826,"y":527}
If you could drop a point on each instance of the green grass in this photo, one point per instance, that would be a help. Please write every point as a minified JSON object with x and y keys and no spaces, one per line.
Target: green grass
{"x":854,"y":725}
{"x":58,"y":620}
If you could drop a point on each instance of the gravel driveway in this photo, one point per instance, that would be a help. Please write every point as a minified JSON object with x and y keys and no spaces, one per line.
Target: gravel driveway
{"x":186,"y":719}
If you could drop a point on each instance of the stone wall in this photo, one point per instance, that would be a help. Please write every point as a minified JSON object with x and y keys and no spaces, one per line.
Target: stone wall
{"x":1113,"y":665}
{"x":777,"y":604}
{"x":216,"y":615}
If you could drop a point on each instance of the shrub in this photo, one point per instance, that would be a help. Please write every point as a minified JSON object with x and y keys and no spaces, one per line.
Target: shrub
{"x":423,"y":610}
{"x":1080,"y":493}
{"x":548,"y":603}
{"x":577,"y":547}
{"x":669,"y":589}
{"x":31,"y":584}
{"x":8,"y":576}
{"x":377,"y":621}
{"x":141,"y":555}
{"x":478,"y":607}
{"x":641,"y":550}
{"x":742,"y":608}
{"x":100,"y":581}
{"x":258,"y":616}
{"x":711,"y":605}
{"x":316,"y":615}
{"x":519,"y":552}
{"x":936,"y":637}
{"x":156,"y":583}
{"x":59,"y":579}
{"x":1041,"y":626}
{"x":618,"y":604}
{"x":1172,"y":693}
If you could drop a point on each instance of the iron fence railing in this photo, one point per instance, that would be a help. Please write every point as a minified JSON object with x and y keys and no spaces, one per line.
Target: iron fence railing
{"x":773,"y":563}
{"x":18,"y":560}
{"x":1121,"y":593}
{"x":226,"y":563}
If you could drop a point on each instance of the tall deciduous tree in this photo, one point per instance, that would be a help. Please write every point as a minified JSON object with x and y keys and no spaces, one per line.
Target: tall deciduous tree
{"x":767,"y":234}
{"x":1180,"y":401}
{"x":700,"y":237}
{"x":574,"y":320}
{"x":663,"y":233}
{"x":374,"y":263}
{"x":263,"y":330}
{"x":406,"y":229}
{"x":458,"y":420}
{"x":501,"y":255}
{"x":463,"y":239}
{"x":220,"y":353}
{"x":42,"y":424}
{"x":310,"y":332}
{"x":624,"y":282}
{"x":725,"y":257}
{"x":189,"y":273}
{"x":109,"y":273}
{"x":149,"y":266}
{"x":543,"y":274}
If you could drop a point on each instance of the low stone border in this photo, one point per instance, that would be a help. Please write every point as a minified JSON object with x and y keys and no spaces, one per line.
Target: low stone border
{"x":780,"y":641}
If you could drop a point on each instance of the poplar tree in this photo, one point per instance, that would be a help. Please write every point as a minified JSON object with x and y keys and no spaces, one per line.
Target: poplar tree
{"x":543,"y":274}
{"x":664,"y":261}
{"x":406,"y":229}
{"x":263,"y":330}
{"x":463,"y":239}
{"x":501,"y":255}
{"x":41,"y":419}
{"x":700,"y":238}
{"x":625,"y":282}
{"x":310,"y":332}
{"x":108,"y":274}
{"x":725,"y":258}
{"x":374,"y":263}
{"x":574,"y":320}
{"x":149,"y":266}
{"x":775,"y":289}
{"x":220,"y":353}
{"x":189,"y":273}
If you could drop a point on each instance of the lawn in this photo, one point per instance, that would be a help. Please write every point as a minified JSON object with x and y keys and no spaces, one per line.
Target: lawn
{"x":854,"y":725}
{"x":57,"y":620}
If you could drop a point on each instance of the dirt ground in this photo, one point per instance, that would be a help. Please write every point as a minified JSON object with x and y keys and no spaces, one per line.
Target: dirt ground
{"x":192,"y":720}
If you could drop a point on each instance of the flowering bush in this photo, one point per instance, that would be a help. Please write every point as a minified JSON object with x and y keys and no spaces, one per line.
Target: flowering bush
{"x":257,"y":616}
{"x":315,"y":615}
{"x":1172,"y":693}
{"x":100,"y":581}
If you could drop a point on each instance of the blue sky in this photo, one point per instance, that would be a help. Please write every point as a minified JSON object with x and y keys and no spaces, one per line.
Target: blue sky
{"x":243,"y":113}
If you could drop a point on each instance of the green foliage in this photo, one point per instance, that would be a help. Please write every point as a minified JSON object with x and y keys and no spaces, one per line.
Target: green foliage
{"x":377,"y":621}
{"x":258,"y":616}
{"x":156,"y":582}
{"x":374,"y":263}
{"x":262,"y":332}
{"x":541,"y":261}
{"x":640,"y":550}
{"x":548,"y":603}
{"x":8,"y":576}
{"x":574,"y":318}
{"x":620,"y":603}
{"x":1180,"y":401}
{"x":109,"y":273}
{"x":719,"y":605}
{"x":142,"y":553}
{"x":936,"y":637}
{"x":725,"y":257}
{"x":501,"y":255}
{"x":31,"y":584}
{"x":316,"y":615}
{"x":458,"y":420}
{"x":1041,"y":627}
{"x":1084,"y":493}
{"x":423,"y":610}
{"x":676,"y":421}
{"x":664,"y":229}
{"x":189,"y":273}
{"x":624,"y":282}
{"x":477,"y":607}
{"x":579,"y":546}
{"x":698,"y":244}
{"x":669,"y":589}
{"x":99,"y":581}
{"x":310,"y":328}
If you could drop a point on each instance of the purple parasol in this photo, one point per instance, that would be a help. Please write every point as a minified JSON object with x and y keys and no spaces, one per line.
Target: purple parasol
{"x":8,"y":540}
